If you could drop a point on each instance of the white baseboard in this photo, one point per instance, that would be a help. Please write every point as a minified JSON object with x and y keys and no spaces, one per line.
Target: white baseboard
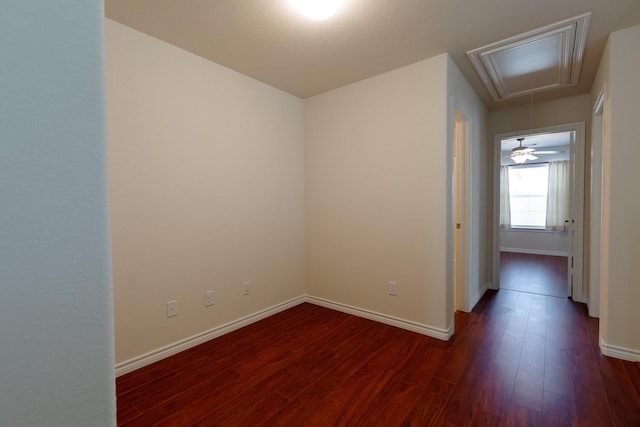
{"x":582,"y":299}
{"x":431,"y":331}
{"x":479,"y":295}
{"x":593,"y":309}
{"x":619,"y":352}
{"x":178,"y":346}
{"x":534,"y":251}
{"x":184,"y":344}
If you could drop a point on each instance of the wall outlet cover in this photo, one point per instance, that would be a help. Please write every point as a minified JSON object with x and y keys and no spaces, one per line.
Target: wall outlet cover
{"x":172,"y":308}
{"x":208,"y":298}
{"x":393,"y":288}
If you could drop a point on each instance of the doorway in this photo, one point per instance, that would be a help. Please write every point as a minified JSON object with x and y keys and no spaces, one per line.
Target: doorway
{"x":530,"y":218}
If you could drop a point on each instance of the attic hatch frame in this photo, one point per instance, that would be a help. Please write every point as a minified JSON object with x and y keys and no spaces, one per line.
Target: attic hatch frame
{"x":528,"y":63}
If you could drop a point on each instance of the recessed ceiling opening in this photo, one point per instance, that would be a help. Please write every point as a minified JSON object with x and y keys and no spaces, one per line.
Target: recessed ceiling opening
{"x":543,"y":59}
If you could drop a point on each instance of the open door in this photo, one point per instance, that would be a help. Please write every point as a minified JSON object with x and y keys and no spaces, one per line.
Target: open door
{"x":570,"y":221}
{"x":575,"y":221}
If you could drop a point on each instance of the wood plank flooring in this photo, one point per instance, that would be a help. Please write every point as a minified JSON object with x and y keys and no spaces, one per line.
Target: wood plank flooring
{"x":519,"y":359}
{"x":538,"y":274}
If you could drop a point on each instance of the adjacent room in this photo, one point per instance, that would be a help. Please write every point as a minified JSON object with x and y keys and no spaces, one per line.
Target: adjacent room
{"x":535,"y":211}
{"x":381,"y":213}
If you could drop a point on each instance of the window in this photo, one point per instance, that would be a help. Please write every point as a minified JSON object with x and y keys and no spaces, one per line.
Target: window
{"x":528,"y":186}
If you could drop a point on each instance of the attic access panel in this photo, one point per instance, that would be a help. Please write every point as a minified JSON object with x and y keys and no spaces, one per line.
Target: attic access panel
{"x":543,"y":59}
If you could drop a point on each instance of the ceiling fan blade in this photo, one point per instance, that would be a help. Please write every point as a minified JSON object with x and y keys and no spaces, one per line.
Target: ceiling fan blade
{"x":549,"y":151}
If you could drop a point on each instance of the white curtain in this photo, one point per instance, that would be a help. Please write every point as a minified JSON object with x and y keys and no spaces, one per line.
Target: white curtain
{"x":505,"y":204}
{"x":558,"y":196}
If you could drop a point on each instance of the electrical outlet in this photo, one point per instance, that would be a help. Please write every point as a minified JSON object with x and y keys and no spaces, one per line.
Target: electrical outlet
{"x":172,"y":308}
{"x":208,"y":298}
{"x":393,"y":288}
{"x":246,"y":288}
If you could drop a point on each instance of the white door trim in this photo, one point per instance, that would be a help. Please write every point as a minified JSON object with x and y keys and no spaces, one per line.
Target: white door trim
{"x":600,"y":284}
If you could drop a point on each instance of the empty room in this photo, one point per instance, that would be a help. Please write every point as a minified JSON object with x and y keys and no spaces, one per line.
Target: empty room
{"x":242,"y":213}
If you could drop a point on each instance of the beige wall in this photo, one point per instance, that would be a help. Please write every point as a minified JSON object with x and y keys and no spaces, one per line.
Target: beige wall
{"x":208,"y":188}
{"x":621,"y":236}
{"x":548,"y":113}
{"x":378,"y":193}
{"x":206,"y":191}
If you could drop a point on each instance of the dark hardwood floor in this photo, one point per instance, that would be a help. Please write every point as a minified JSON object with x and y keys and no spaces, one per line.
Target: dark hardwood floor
{"x":519,"y":359}
{"x":538,"y":274}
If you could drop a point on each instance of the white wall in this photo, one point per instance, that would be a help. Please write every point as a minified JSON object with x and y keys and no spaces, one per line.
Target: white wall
{"x":534,"y":242}
{"x":56,"y":361}
{"x":378,"y":194}
{"x":207,"y":191}
{"x":479,"y":205}
{"x":620,"y":238}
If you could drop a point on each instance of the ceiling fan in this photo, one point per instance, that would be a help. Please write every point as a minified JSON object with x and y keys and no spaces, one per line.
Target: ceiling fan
{"x":523,"y":153}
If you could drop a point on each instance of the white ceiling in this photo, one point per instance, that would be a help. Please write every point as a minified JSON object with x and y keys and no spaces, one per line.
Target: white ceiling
{"x":541,"y":141}
{"x":269,"y":40}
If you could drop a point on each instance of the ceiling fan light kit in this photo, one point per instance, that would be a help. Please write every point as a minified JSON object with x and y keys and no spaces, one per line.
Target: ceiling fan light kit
{"x":521,"y":158}
{"x":521,"y":154}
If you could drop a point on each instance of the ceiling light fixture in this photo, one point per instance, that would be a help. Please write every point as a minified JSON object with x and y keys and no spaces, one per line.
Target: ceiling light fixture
{"x":522,"y":154}
{"x":317,"y":10}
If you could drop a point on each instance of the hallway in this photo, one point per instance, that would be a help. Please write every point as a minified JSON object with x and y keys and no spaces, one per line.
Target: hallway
{"x":538,"y":361}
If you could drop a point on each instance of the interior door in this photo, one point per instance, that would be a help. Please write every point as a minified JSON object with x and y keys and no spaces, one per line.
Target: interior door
{"x":575,"y":288}
{"x":571,"y":221}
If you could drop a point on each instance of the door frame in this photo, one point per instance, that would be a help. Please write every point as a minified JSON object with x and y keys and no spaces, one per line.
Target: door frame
{"x":598,"y":206}
{"x":577,"y":207}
